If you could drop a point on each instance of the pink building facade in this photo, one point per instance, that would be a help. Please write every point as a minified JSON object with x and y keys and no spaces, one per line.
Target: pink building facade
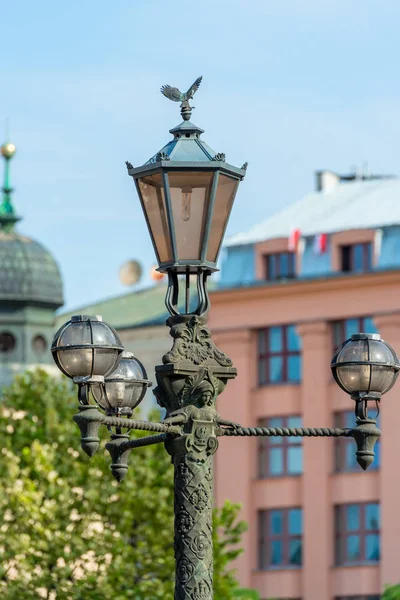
{"x":319,"y":527}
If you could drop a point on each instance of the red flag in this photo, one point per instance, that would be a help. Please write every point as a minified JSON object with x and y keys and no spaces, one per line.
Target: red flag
{"x":321,"y":243}
{"x":294,"y":239}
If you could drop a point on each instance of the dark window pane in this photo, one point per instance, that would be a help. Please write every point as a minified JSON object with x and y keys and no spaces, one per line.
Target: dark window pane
{"x":276,"y":522}
{"x":353,"y":517}
{"x":284,"y":265}
{"x":292,"y":264}
{"x":350,"y":456}
{"x":368,"y":257}
{"x":340,"y":550}
{"x":295,"y":460}
{"x":271,"y":266}
{"x":262,"y":346}
{"x":372,"y":516}
{"x":372,"y":547}
{"x":262,"y":371}
{"x":293,"y":340}
{"x":353,"y":547}
{"x":295,"y":521}
{"x":276,"y":552}
{"x":294,"y":368}
{"x":346,"y":258}
{"x":295,"y":552}
{"x":276,"y":368}
{"x":275,"y":339}
{"x":358,"y":258}
{"x":276,"y":461}
{"x":337,"y":334}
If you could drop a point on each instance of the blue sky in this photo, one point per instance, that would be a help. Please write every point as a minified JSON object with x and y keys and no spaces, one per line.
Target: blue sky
{"x":289,"y":86}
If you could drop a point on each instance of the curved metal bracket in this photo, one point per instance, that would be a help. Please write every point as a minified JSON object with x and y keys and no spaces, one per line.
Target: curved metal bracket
{"x":172,"y":295}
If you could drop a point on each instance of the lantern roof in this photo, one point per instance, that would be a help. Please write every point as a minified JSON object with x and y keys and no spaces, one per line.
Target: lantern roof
{"x":186,"y":146}
{"x":187,"y":150}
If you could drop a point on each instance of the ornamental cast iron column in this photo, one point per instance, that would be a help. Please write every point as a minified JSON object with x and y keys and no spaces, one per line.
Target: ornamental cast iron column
{"x":193,"y":374}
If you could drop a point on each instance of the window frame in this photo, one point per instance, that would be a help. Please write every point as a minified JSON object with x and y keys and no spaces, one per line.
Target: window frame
{"x":264,"y":357}
{"x":367,"y":262}
{"x":265,"y":538}
{"x":342,"y":533}
{"x":276,"y":257}
{"x":341,"y":325}
{"x":284,"y":443}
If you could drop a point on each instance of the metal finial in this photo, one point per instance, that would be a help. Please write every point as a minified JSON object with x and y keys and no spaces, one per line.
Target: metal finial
{"x":172,"y":93}
{"x":8,"y":218}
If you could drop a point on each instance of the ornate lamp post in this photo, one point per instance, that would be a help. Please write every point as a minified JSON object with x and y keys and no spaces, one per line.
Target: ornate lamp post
{"x":187,"y":191}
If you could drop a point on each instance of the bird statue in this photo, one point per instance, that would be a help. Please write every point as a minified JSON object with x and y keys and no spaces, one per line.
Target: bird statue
{"x":172,"y":93}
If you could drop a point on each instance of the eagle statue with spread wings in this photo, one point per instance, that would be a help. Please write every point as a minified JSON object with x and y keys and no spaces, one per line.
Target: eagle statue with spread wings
{"x":177,"y":96}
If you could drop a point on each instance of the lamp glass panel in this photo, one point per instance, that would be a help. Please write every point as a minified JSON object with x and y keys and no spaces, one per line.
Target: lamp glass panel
{"x":354,"y":378}
{"x":225,"y":195}
{"x":153,"y":201}
{"x":76,"y":362}
{"x":190,"y":197}
{"x":381,"y":379}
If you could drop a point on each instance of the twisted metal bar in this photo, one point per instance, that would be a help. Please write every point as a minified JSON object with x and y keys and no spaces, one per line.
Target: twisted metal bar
{"x":146,"y":441}
{"x":286,"y":432}
{"x":141,"y":425}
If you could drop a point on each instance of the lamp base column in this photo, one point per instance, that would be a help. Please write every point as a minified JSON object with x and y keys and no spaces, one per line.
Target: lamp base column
{"x":193,"y":503}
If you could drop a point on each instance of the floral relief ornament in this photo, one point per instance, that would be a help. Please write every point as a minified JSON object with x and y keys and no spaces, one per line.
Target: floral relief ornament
{"x":192,"y":342}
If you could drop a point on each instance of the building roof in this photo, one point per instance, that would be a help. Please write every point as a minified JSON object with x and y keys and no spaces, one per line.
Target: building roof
{"x":28,"y":272}
{"x":141,"y":307}
{"x":353,"y":205}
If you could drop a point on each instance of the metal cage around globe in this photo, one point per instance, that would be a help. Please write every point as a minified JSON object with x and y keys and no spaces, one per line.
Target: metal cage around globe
{"x":86,"y":347}
{"x":124,"y":388}
{"x":365,"y":366}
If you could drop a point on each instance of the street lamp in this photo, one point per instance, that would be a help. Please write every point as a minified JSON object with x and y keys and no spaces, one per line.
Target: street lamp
{"x":186,"y":191}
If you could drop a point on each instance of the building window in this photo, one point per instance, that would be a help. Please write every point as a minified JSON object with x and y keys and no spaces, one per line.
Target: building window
{"x":39,"y":344}
{"x":280,"y":456}
{"x":280,"y":538}
{"x":345,"y":459}
{"x":356,"y":258}
{"x":7,"y":342}
{"x":342,"y":330}
{"x":357,"y":533}
{"x":279,"y":356}
{"x":281,"y":265}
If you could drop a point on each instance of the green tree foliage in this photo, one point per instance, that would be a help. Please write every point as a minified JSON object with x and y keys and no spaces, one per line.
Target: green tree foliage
{"x":392,"y":593}
{"x":67,"y":529}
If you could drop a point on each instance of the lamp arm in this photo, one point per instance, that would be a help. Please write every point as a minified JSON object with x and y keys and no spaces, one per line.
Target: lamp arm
{"x":284,"y":431}
{"x":140,"y":425}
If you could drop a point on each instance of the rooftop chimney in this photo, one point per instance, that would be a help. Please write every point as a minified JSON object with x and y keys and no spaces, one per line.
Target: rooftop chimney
{"x":325,"y":180}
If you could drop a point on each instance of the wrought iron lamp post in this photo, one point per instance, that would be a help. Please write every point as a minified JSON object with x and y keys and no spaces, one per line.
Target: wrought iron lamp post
{"x":187,"y":191}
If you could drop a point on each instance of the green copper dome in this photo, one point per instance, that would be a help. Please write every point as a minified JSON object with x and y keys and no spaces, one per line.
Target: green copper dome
{"x":28,"y":272}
